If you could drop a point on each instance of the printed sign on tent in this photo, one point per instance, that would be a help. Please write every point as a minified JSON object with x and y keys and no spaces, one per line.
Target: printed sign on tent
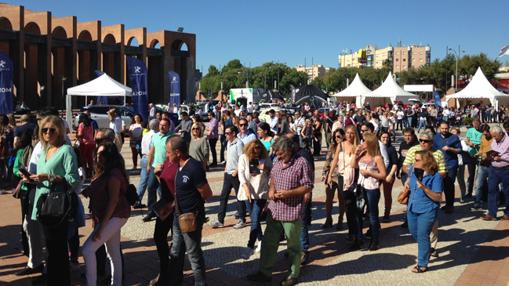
{"x":6,"y":75}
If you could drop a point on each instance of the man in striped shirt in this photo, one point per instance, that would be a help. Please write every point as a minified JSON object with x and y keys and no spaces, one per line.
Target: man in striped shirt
{"x":290,"y":182}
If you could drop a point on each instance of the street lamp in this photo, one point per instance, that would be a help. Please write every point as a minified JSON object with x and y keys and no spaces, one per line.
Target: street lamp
{"x":457,"y":54}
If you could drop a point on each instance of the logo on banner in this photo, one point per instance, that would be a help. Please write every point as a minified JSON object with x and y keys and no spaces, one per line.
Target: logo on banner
{"x":137,"y":69}
{"x":3,"y":66}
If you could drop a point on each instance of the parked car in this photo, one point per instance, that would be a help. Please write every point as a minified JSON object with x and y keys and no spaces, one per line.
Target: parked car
{"x":99,"y":114}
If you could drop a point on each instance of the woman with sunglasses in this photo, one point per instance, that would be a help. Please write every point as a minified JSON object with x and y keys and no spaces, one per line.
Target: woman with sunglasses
{"x":57,"y":170}
{"x":254,"y":171}
{"x":332,"y":185}
{"x":346,"y":176}
{"x":426,"y":185}
{"x":199,"y":146}
{"x":371,"y":172}
{"x":392,"y":167}
{"x":110,"y":211}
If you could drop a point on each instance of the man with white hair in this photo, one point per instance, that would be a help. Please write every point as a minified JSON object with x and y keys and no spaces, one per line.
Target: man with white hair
{"x":498,"y":172}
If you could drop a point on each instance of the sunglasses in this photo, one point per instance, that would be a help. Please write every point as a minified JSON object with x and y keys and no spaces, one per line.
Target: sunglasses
{"x":424,"y":141}
{"x":195,"y":129}
{"x":242,"y":125}
{"x":228,"y":133}
{"x":48,"y":130}
{"x":338,"y":137}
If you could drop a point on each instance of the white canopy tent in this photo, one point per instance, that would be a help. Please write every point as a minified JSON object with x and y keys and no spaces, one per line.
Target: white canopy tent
{"x":355,"y":91}
{"x":103,"y":85}
{"x":389,"y":91}
{"x":479,"y":89}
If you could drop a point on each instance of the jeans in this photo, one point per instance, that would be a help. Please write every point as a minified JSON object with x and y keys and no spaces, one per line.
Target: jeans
{"x":306,"y":222}
{"x":161,"y":231}
{"x":222,"y":139}
{"x":212,"y":144}
{"x":153,"y":189}
{"x":372,"y":199}
{"x":420,"y":226}
{"x":111,"y":237}
{"x":481,"y":175}
{"x":57,"y":264}
{"x":190,"y":243}
{"x":255,"y":208}
{"x":229,"y":183}
{"x":409,"y":119}
{"x":449,"y":186}
{"x":495,"y":177}
{"x":270,"y":244}
{"x":142,"y":185}
{"x":422,"y":124}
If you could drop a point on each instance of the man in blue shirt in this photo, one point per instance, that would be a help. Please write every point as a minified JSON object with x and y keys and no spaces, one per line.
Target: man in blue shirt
{"x":450,"y":145}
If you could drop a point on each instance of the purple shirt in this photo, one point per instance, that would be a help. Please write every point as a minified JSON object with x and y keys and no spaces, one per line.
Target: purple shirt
{"x":286,"y":177}
{"x":502,"y":148}
{"x":212,"y":125}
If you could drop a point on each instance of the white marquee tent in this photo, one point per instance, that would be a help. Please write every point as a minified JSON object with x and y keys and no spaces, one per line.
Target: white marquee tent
{"x":388,"y":91}
{"x":479,"y":89}
{"x":355,"y":91}
{"x":103,"y":85}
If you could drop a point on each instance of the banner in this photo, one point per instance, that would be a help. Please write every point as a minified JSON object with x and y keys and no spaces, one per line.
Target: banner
{"x":174,"y":80}
{"x":6,"y":74}
{"x":101,"y":100}
{"x":137,"y":75}
{"x":436,"y":96}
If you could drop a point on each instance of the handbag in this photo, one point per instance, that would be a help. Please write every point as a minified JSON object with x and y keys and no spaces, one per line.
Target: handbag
{"x":187,"y":221}
{"x":403,"y":197}
{"x":56,"y":206}
{"x":131,"y":195}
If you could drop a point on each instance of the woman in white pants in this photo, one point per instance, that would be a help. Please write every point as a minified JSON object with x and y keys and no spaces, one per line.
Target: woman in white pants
{"x":110,"y":211}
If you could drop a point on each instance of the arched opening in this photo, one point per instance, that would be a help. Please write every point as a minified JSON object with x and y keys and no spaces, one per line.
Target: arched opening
{"x":109,"y":40}
{"x":5,"y":24}
{"x":85,"y":36}
{"x":59,"y":33}
{"x":179,"y":46}
{"x":133,"y":42}
{"x":155,"y":44}
{"x":184,"y":47}
{"x":32,"y":28}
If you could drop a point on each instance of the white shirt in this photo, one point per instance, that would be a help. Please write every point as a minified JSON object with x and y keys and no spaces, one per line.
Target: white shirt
{"x":34,"y":158}
{"x":145,"y":142}
{"x":116,"y":125}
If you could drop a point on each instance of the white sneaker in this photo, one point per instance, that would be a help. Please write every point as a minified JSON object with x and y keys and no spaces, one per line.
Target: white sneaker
{"x":240,"y":224}
{"x":216,"y":224}
{"x":258,"y":246}
{"x":247,"y":252}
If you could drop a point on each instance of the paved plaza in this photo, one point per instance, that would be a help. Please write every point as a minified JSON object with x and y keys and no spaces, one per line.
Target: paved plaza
{"x":472,"y":251}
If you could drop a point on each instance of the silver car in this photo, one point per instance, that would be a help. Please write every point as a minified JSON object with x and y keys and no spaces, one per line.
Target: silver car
{"x":100,"y":115}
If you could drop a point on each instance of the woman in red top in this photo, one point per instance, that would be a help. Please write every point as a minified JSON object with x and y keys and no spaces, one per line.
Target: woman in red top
{"x":164,"y":210}
{"x":110,"y":211}
{"x":86,"y":141}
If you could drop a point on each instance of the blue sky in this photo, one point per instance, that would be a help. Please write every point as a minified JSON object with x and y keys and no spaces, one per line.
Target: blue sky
{"x":259,"y":31}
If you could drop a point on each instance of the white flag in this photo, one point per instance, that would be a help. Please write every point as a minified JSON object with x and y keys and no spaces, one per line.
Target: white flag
{"x":504,"y":51}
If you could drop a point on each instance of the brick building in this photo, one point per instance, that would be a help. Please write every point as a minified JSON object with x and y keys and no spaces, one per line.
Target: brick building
{"x":51,"y":54}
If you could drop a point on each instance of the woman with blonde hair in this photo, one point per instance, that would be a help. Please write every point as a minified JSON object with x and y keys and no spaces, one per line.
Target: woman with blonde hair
{"x":57,"y":171}
{"x":199,"y":146}
{"x":345,"y":174}
{"x":254,"y":171}
{"x":371,"y":172}
{"x":425,"y":187}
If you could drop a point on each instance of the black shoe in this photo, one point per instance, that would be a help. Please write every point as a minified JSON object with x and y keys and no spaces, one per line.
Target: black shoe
{"x":468,"y":196}
{"x":148,"y":217}
{"x":39,"y":280}
{"x":258,"y":277}
{"x":139,"y":206}
{"x":368,"y":233}
{"x":448,"y":209}
{"x":386,"y":218}
{"x":373,"y":246}
{"x":289,"y":282}
{"x":28,"y":271}
{"x":433,"y":253}
{"x":339,"y":226}
{"x":404,"y":225}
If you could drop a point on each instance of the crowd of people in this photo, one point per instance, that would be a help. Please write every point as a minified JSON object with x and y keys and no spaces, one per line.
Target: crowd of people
{"x":269,"y":163}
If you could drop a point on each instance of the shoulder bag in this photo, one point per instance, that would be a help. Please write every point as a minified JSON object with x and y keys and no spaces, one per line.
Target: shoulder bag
{"x":56,"y":206}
